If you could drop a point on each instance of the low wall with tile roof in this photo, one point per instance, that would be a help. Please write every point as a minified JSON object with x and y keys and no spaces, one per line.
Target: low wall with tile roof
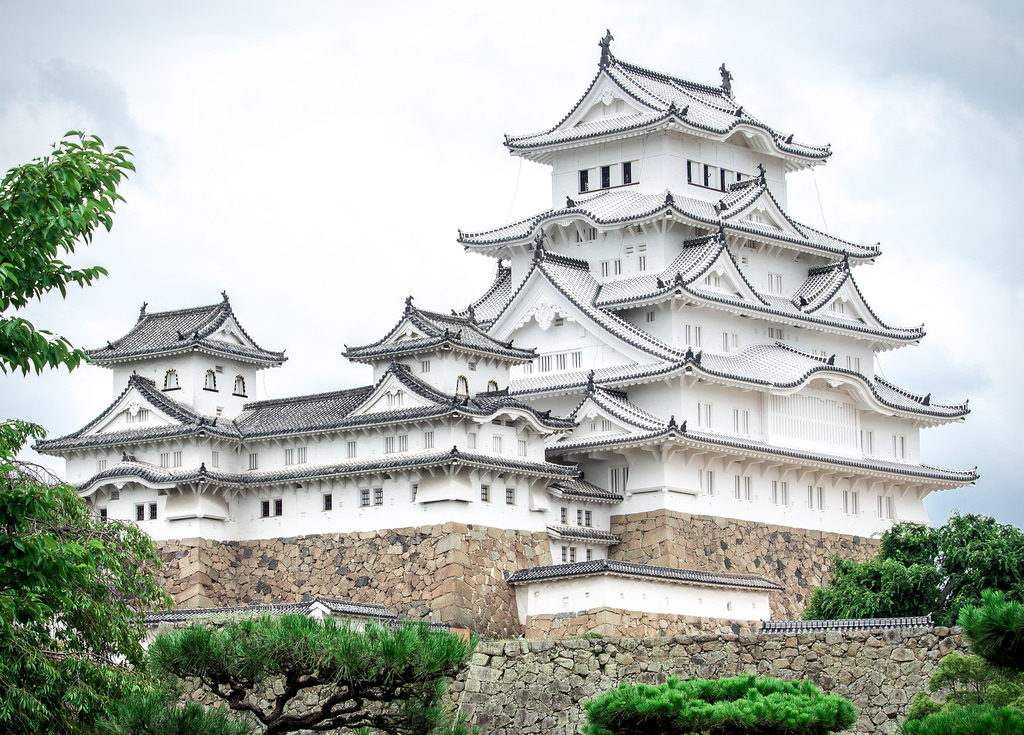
{"x":539,"y":687}
{"x":798,"y":559}
{"x":451,"y":573}
{"x":613,"y":622}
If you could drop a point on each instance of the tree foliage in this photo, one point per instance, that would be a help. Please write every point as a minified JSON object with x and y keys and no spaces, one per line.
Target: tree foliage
{"x":921,"y":570}
{"x":975,"y":719}
{"x":741,"y":704}
{"x":155,"y":711}
{"x":291,"y":672}
{"x":47,"y":208}
{"x":995,"y":630}
{"x":71,"y":587}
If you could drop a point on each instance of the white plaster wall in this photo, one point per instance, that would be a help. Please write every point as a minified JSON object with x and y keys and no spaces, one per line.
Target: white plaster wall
{"x":192,"y":369}
{"x":639,"y":595}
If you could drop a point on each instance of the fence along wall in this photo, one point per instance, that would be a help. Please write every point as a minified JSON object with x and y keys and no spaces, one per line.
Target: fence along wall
{"x":538,"y":687}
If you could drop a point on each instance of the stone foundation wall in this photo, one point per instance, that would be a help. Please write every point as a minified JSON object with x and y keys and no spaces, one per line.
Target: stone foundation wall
{"x":798,"y":559}
{"x":450,"y":573}
{"x":611,"y":622}
{"x":538,"y":687}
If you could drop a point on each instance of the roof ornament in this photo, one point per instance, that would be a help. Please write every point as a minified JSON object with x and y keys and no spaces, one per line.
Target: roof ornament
{"x":538,"y":247}
{"x":224,"y":296}
{"x":606,"y":51}
{"x":669,"y":199}
{"x":803,"y":301}
{"x":689,"y":354}
{"x":408,"y":303}
{"x":726,"y":79}
{"x":739,"y":111}
{"x":831,"y":360}
{"x":202,"y":468}
{"x":109,"y":345}
{"x":181,"y":336}
{"x":927,"y":400}
{"x":672,"y":421}
{"x":660,"y":283}
{"x":721,"y":230}
{"x":569,"y":202}
{"x":682,"y":428}
{"x":471,"y":313}
{"x":124,"y":456}
{"x":697,"y":357}
{"x":761,"y":173}
{"x":142,"y":311}
{"x":195,"y":334}
{"x":789,"y":138}
{"x":590,"y":382}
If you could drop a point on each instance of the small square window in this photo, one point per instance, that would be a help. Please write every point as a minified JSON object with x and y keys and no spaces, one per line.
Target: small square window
{"x":278,"y":507}
{"x":140,"y":512}
{"x":496,"y":444}
{"x":428,"y":440}
{"x":265,"y":509}
{"x":510,"y":496}
{"x":522,"y":447}
{"x":413,"y":489}
{"x":378,"y":496}
{"x":425,"y":366}
{"x":572,"y":554}
{"x":300,"y":455}
{"x":485,"y":493}
{"x":103,"y":514}
{"x":565,"y":554}
{"x":588,"y":519}
{"x":364,"y":497}
{"x":215,"y":459}
{"x":254,"y":461}
{"x":152,"y":511}
{"x":564,"y":515}
{"x":351,"y":446}
{"x":579,"y":516}
{"x":590,"y":554}
{"x":328,"y":501}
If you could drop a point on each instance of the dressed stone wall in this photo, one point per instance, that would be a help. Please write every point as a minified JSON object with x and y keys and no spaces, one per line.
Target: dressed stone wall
{"x":798,"y":559}
{"x":451,"y":573}
{"x":613,"y":622}
{"x":538,"y":687}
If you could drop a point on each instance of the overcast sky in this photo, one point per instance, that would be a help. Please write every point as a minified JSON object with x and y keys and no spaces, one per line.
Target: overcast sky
{"x":315,"y":160}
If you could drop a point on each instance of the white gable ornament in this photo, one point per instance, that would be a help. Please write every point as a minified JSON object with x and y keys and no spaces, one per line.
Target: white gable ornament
{"x":545,"y":312}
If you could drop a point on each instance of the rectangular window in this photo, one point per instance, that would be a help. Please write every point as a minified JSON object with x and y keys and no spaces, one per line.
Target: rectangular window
{"x":627,"y":172}
{"x":564,"y":515}
{"x":577,"y":359}
{"x":853,"y":363}
{"x":741,"y":422}
{"x":428,"y":440}
{"x":364,"y":497}
{"x":605,"y":268}
{"x":815,"y":497}
{"x":743,"y":489}
{"x":140,"y":512}
{"x":254,"y":460}
{"x":522,"y":447}
{"x":560,"y":361}
{"x":265,"y":509}
{"x":289,"y":456}
{"x":510,"y":496}
{"x":215,"y":458}
{"x":565,"y":554}
{"x":694,"y":335}
{"x":152,"y":511}
{"x":403,"y":443}
{"x":780,"y":492}
{"x":617,"y":479}
{"x":704,"y":415}
{"x":413,"y":489}
{"x":706,"y":480}
{"x":378,"y":496}
{"x":328,"y":501}
{"x":851,"y":502}
{"x":776,"y":333}
{"x":606,"y":177}
{"x":641,"y":263}
{"x":618,"y":266}
{"x":584,"y":180}
{"x":485,"y":493}
{"x":300,"y":455}
{"x":176,"y":459}
{"x":389,"y":445}
{"x":425,"y":366}
{"x":867,"y":442}
{"x":101,"y":464}
{"x":165,"y":459}
{"x":775,"y":283}
{"x":579,"y":516}
{"x":278,"y":507}
{"x":588,"y":518}
{"x":899,"y":446}
{"x":471,"y":440}
{"x":103,"y":514}
{"x":572,"y":554}
{"x":544,"y":364}
{"x":351,"y":449}
{"x":496,"y":444}
{"x":590,"y":554}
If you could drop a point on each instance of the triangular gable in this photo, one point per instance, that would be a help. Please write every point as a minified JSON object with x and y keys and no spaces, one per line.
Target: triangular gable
{"x":604,"y":100}
{"x":405,"y":331}
{"x":539,"y":302}
{"x":763,"y":211}
{"x":392,"y":394}
{"x":847,"y":304}
{"x":231,"y":333}
{"x":723,"y":277}
{"x":595,"y":422}
{"x":134,"y":410}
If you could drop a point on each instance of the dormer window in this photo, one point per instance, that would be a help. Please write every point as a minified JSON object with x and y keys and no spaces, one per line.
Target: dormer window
{"x":462,"y":387}
{"x":492,"y":385}
{"x":239,"y":386}
{"x":210,"y":383}
{"x":171,"y":380}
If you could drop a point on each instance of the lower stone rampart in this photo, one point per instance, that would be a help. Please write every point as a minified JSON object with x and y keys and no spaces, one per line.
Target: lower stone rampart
{"x":613,"y":622}
{"x":539,"y":687}
{"x":798,"y":559}
{"x":451,"y":573}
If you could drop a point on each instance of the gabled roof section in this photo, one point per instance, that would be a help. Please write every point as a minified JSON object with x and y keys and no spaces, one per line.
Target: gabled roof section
{"x":334,"y":605}
{"x":573,"y":280}
{"x":580,"y":489}
{"x":183,"y":420}
{"x":617,"y":207}
{"x":213,"y":329}
{"x":421,"y":331}
{"x":649,"y":571}
{"x":488,"y":306}
{"x":617,"y":405}
{"x":630,"y":99}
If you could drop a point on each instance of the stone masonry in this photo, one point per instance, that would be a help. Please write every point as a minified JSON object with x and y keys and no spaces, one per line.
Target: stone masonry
{"x":798,"y":559}
{"x":451,"y":573}
{"x":611,"y":622}
{"x":539,"y":687}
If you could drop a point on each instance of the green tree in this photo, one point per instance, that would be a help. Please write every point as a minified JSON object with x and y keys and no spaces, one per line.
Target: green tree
{"x":47,"y":208}
{"x":742,"y":704}
{"x":995,"y":630}
{"x":921,"y":570}
{"x":291,"y":673}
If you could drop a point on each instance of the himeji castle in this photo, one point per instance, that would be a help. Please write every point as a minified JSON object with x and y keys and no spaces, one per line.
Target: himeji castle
{"x":663,"y":412}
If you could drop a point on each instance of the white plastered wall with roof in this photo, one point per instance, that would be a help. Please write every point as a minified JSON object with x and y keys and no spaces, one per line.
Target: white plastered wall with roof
{"x":568,"y":595}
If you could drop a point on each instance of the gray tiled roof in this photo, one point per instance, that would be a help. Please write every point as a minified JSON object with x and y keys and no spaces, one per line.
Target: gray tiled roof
{"x":300,"y":473}
{"x":663,"y":98}
{"x":617,"y":404}
{"x":437,"y":330}
{"x":583,"y":533}
{"x":494,"y":299}
{"x":583,"y":490}
{"x":668,"y":574}
{"x":769,"y":627}
{"x":341,"y":607}
{"x":182,"y":330}
{"x":624,"y":206}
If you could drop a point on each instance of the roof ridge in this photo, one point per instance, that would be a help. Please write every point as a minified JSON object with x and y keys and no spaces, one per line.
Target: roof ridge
{"x":266,"y":402}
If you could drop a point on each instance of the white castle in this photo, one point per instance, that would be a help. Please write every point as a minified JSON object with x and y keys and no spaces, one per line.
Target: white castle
{"x":665,"y":337}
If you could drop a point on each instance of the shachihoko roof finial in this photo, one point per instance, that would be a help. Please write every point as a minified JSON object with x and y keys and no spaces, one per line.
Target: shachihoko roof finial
{"x":761,"y":173}
{"x":224,"y":295}
{"x":590,"y":382}
{"x":142,"y":311}
{"x":606,"y":51}
{"x":408,"y":303}
{"x":726,"y":79}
